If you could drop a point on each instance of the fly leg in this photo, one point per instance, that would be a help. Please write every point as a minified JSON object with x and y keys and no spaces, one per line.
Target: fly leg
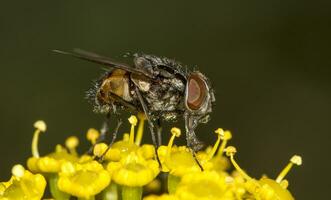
{"x":159,"y":132}
{"x":115,"y":133}
{"x":192,"y":141}
{"x":119,"y":123}
{"x":103,"y":133}
{"x":151,"y":124}
{"x":104,"y":129}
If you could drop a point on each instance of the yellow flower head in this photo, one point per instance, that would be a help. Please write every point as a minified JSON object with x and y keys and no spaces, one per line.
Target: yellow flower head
{"x":83,"y":180}
{"x":120,"y":149}
{"x":133,"y":170}
{"x":177,"y":160}
{"x":23,"y":185}
{"x":124,"y":147}
{"x":181,"y":161}
{"x":265,"y":188}
{"x":206,"y":185}
{"x":217,"y":162}
{"x":52,"y":162}
{"x":147,"y":151}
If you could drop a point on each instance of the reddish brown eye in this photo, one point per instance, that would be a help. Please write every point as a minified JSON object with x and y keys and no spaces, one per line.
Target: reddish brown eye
{"x":196,"y":92}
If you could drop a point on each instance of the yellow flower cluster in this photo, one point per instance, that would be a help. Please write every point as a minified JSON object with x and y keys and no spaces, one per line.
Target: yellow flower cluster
{"x":129,"y":170}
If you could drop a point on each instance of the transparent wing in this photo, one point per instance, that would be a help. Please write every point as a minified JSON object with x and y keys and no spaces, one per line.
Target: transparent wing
{"x":93,"y":57}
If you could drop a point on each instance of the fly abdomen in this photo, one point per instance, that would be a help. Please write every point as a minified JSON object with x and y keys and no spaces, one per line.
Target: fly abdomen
{"x":116,"y":83}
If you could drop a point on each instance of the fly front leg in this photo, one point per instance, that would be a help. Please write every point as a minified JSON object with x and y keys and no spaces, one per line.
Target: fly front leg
{"x":104,"y":129}
{"x":103,"y":133}
{"x":191,"y":139}
{"x":150,"y":122}
{"x":115,"y":133}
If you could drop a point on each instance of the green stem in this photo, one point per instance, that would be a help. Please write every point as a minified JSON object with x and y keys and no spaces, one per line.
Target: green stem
{"x":90,"y":198}
{"x":56,"y":193}
{"x":172,"y":183}
{"x":131,"y":193}
{"x":110,"y":192}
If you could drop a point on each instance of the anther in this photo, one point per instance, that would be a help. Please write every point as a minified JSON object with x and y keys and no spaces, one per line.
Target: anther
{"x":40,"y":125}
{"x":92,"y":135}
{"x":71,"y":143}
{"x":225,"y":136}
{"x":133,"y":121}
{"x":18,"y":171}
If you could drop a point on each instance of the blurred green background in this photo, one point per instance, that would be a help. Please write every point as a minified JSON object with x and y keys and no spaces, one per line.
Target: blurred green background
{"x":269,"y":62}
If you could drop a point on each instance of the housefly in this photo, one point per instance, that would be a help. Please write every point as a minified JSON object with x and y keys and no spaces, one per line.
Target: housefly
{"x":161,"y":88}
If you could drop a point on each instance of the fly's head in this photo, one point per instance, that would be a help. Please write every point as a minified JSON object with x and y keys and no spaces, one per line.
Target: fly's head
{"x":199,"y":96}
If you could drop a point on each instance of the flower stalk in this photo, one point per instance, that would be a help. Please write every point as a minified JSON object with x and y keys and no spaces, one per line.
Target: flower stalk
{"x":173,"y":182}
{"x":131,"y":193}
{"x":54,"y":189}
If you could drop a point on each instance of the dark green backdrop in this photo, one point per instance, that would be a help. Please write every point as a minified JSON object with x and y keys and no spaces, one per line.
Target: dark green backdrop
{"x":269,"y":62}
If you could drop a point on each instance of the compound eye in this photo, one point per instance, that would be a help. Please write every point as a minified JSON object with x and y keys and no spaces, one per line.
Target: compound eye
{"x":196,"y":92}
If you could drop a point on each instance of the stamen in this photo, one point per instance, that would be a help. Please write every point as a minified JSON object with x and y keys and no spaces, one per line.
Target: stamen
{"x":225,"y":136}
{"x":133,"y":121}
{"x":230,"y":151}
{"x":40,"y":127}
{"x":297,"y":160}
{"x":140,"y":132}
{"x":219,"y":133}
{"x":92,"y":135}
{"x":71,"y":143}
{"x":175,"y":133}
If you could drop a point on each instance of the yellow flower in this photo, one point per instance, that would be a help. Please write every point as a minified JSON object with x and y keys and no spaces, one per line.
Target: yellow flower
{"x":265,"y":188}
{"x":147,"y":151}
{"x":127,"y":145}
{"x":83,"y":180}
{"x":181,"y":162}
{"x":206,"y":185}
{"x":177,"y":160}
{"x":52,"y":162}
{"x":133,"y":170}
{"x":23,"y":185}
{"x":120,"y":149}
{"x":217,"y":162}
